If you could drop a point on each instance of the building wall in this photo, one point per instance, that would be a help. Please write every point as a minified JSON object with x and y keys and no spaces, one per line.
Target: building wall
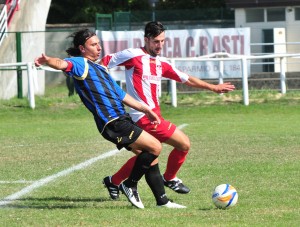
{"x":260,"y":3}
{"x":30,"y":16}
{"x":290,"y":25}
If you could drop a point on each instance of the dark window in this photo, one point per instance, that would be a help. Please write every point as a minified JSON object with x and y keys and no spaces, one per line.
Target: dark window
{"x":254,"y":15}
{"x":276,"y":14}
{"x":297,"y":13}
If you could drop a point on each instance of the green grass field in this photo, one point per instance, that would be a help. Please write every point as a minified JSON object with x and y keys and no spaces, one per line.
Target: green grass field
{"x":255,"y":148}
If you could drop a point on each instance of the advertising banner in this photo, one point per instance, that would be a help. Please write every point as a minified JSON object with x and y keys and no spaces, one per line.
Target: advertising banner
{"x":189,"y":43}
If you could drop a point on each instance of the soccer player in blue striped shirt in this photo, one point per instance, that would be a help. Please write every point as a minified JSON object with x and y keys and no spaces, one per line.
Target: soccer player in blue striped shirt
{"x":103,"y":97}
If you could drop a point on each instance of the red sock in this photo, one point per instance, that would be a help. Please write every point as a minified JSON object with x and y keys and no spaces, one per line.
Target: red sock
{"x":124,"y":172}
{"x":175,"y":161}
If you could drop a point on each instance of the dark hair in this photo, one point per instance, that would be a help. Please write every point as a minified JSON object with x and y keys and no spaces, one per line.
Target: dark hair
{"x":153,"y":29}
{"x":79,"y":38}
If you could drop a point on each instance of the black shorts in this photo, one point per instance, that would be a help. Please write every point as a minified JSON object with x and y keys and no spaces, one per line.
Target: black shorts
{"x":122,"y":132}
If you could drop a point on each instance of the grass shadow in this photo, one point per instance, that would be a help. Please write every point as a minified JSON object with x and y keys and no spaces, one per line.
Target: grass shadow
{"x":58,"y":203}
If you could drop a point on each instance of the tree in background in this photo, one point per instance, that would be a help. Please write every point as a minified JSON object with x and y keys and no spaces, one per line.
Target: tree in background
{"x":190,"y":4}
{"x":70,"y":11}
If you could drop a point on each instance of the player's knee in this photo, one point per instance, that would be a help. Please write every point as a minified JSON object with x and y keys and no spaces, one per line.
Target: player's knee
{"x":156,"y":148}
{"x":185,"y":145}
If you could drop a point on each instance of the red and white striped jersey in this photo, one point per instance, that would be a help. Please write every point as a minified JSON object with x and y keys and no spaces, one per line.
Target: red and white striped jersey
{"x":143,"y":76}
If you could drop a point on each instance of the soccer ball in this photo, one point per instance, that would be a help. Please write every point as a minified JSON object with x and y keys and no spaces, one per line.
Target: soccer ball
{"x":224,"y":196}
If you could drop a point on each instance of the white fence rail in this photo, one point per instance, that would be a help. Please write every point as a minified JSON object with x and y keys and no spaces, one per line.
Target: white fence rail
{"x":3,"y":24}
{"x":220,"y":57}
{"x":31,"y":75}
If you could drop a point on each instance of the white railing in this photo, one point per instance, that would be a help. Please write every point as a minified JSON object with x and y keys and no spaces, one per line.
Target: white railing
{"x":220,"y":57}
{"x":3,"y":24}
{"x":6,"y":15}
{"x":12,"y":8}
{"x":31,"y":75}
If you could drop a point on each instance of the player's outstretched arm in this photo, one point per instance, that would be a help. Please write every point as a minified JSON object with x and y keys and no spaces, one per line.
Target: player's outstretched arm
{"x":218,"y":88}
{"x":131,"y":102}
{"x":55,"y":63}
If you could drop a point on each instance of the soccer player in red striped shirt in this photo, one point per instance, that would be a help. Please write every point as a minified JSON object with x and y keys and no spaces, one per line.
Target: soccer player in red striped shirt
{"x":144,"y":69}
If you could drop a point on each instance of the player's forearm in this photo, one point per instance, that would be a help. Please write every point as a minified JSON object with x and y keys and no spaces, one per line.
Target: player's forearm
{"x":131,"y":102}
{"x":197,"y":83}
{"x":56,"y":63}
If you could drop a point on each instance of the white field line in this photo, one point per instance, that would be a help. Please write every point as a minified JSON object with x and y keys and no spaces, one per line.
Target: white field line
{"x":182,"y":126}
{"x":9,"y":199}
{"x":39,"y":183}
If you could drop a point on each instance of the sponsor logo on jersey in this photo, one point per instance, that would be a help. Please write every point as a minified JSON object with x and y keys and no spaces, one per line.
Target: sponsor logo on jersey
{"x":131,"y":134}
{"x":119,"y":139}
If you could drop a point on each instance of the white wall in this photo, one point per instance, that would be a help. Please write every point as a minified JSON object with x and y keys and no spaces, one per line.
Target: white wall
{"x":291,"y":31}
{"x":31,"y":16}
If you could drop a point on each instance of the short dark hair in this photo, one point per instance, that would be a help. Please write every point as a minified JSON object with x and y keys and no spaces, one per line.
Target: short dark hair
{"x":153,"y":29}
{"x":79,"y":38}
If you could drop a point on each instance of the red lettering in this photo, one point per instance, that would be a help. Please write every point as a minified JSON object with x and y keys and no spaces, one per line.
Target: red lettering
{"x":242,"y":44}
{"x":216,"y":44}
{"x":203,"y":45}
{"x":136,"y":43}
{"x":167,"y":46}
{"x":225,"y":41}
{"x":114,"y":46}
{"x":177,"y":48}
{"x":189,"y":47}
{"x":235,"y":39}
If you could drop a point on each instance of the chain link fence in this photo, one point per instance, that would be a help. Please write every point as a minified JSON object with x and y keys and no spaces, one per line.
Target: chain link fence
{"x":173,"y":19}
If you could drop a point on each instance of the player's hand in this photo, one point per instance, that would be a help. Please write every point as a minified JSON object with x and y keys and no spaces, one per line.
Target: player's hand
{"x":41,"y":60}
{"x":224,"y":88}
{"x":153,"y":117}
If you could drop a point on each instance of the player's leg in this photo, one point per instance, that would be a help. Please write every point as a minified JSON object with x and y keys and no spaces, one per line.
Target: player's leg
{"x":123,"y":173}
{"x":154,"y":180}
{"x":166,"y":132}
{"x":181,"y":144}
{"x":150,"y":149}
{"x":112,"y":182}
{"x":156,"y":184}
{"x":124,"y":133}
{"x":162,"y":132}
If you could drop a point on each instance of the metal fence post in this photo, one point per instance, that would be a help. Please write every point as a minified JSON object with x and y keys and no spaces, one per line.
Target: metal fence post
{"x":30,"y":69}
{"x":221,"y":72}
{"x":19,"y":70}
{"x":282,"y":75}
{"x":245,"y":81}
{"x":173,"y":88}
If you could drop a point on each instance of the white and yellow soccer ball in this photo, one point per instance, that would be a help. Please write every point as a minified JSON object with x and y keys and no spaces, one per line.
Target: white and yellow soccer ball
{"x":224,"y":196}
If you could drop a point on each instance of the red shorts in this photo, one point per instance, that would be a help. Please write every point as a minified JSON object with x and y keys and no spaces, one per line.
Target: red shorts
{"x":162,"y":132}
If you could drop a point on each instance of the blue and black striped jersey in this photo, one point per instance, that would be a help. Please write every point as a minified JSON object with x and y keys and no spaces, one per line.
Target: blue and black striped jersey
{"x":97,"y":89}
